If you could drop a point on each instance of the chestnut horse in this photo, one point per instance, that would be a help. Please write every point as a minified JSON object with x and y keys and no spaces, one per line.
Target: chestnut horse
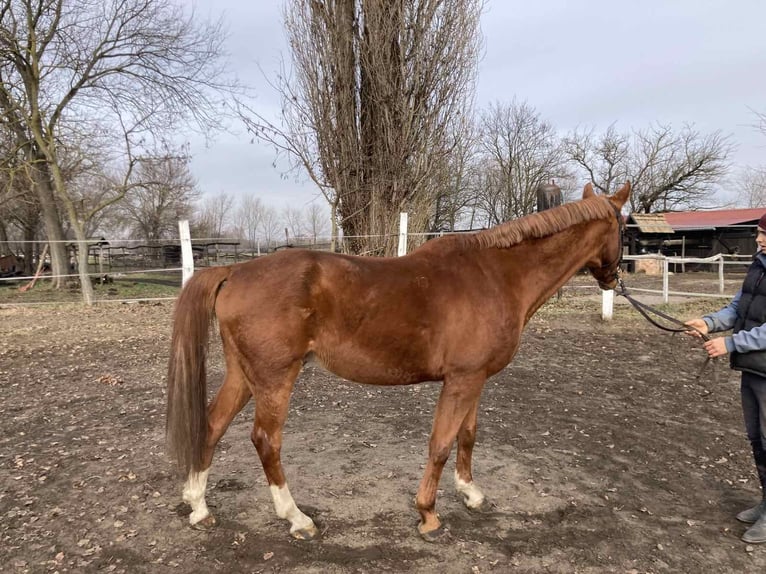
{"x":451,"y":311}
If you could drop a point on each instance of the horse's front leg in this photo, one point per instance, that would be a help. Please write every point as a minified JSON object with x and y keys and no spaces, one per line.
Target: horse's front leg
{"x":473,"y":497}
{"x":458,"y":397}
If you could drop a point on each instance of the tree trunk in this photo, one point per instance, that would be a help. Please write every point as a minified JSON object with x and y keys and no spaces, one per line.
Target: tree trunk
{"x":53,"y":227}
{"x":5,"y":249}
{"x":86,"y":287}
{"x":28,"y":249}
{"x":334,"y":226}
{"x":54,"y":180}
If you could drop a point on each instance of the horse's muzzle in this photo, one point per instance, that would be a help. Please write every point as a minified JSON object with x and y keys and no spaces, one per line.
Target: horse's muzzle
{"x":608,"y":286}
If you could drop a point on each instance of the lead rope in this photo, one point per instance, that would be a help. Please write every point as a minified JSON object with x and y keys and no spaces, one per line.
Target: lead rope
{"x":645,"y":311}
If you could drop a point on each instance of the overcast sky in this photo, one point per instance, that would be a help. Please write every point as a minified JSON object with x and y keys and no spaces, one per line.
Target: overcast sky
{"x":584,"y":64}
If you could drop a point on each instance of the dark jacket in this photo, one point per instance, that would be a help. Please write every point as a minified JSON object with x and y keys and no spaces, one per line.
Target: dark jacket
{"x":745,"y":314}
{"x":751,"y":313}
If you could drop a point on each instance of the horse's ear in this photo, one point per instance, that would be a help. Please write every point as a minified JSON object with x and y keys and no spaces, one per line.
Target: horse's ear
{"x":622,"y":196}
{"x":588,"y":191}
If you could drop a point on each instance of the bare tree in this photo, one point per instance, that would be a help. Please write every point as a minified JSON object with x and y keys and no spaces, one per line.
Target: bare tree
{"x":752,"y":187}
{"x":316,"y":222}
{"x":309,"y":222}
{"x":132,"y":68}
{"x":21,"y":219}
{"x":669,"y":170}
{"x":93,"y":174}
{"x":761,"y":122}
{"x":519,"y":151}
{"x":293,"y":218}
{"x":752,"y":180}
{"x":164,"y":193}
{"x":270,"y":227}
{"x":215,"y":215}
{"x":457,"y":189}
{"x":605,"y":158}
{"x":368,"y":112}
{"x":248,"y":218}
{"x":20,"y":212}
{"x":23,"y":157}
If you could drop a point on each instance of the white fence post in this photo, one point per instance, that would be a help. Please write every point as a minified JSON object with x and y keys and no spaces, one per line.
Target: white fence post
{"x":607,"y":304}
{"x":665,"y":288}
{"x":402,"y":250}
{"x":187,"y":257}
{"x":720,"y":274}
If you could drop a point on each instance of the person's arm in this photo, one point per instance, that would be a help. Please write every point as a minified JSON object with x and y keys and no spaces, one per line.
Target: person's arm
{"x":745,"y":341}
{"x":724,"y":319}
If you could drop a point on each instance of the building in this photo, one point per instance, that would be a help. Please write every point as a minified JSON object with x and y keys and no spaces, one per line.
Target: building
{"x":694,"y":233}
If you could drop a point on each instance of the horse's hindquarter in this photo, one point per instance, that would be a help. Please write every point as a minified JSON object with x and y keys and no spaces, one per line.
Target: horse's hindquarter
{"x":263,"y":309}
{"x":276,"y":310}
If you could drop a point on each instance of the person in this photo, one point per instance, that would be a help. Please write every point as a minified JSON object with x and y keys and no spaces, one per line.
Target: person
{"x":746,"y":347}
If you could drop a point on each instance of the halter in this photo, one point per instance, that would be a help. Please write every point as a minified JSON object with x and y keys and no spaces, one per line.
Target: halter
{"x":615,"y":276}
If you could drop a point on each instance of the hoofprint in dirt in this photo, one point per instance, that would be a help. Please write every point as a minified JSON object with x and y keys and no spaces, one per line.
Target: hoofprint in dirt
{"x":599,"y":449}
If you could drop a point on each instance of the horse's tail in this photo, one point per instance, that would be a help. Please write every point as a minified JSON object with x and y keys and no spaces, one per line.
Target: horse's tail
{"x":186,"y":423}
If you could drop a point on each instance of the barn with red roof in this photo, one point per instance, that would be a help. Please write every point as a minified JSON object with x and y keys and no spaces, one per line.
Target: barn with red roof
{"x":694,"y":233}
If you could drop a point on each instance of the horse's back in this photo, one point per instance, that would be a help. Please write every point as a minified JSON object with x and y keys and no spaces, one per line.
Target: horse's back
{"x":376,"y":320}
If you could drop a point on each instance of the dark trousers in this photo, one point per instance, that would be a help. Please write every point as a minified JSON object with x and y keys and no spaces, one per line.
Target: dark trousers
{"x":753,"y":390}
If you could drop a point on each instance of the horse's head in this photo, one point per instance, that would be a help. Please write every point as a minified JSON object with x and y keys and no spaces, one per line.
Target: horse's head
{"x":606,"y":265}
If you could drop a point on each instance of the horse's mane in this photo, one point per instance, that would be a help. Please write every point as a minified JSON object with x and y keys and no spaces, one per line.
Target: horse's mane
{"x":540,"y":224}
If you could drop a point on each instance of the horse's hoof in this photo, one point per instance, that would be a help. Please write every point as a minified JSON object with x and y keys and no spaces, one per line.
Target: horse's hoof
{"x":439,"y":535}
{"x":310,"y":533}
{"x":207,"y":523}
{"x":484,"y":507}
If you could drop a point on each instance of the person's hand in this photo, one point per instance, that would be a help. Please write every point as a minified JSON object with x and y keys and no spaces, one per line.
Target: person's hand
{"x":699,"y":327}
{"x":716,"y":347}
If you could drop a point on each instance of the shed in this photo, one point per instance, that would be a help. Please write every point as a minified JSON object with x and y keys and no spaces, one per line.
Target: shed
{"x":694,"y":233}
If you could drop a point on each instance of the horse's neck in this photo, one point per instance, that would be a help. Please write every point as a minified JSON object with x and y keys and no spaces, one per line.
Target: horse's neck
{"x":553,"y":260}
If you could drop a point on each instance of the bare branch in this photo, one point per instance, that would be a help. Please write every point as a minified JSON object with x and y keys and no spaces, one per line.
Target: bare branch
{"x":520,"y":151}
{"x":669,"y":170}
{"x":119,"y":72}
{"x":370,"y":111}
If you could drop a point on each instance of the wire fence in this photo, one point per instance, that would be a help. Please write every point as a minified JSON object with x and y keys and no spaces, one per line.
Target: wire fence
{"x":139,"y":260}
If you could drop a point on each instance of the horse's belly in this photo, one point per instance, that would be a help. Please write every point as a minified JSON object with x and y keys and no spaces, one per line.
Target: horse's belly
{"x":375,"y":369}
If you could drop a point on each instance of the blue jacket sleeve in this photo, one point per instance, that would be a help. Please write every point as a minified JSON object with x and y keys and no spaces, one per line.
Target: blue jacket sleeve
{"x":746,"y":341}
{"x":724,"y":319}
{"x":743,"y":341}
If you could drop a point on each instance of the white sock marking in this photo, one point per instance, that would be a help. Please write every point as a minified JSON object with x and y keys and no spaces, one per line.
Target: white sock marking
{"x":286,"y":508}
{"x":472,"y":495}
{"x":194,"y":494}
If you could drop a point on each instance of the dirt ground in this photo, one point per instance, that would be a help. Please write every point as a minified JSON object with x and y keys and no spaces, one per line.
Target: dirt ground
{"x":599,"y":449}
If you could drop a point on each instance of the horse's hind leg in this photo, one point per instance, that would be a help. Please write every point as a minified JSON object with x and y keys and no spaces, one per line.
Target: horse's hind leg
{"x":473,"y":498}
{"x":233,"y":395}
{"x":271,"y":405}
